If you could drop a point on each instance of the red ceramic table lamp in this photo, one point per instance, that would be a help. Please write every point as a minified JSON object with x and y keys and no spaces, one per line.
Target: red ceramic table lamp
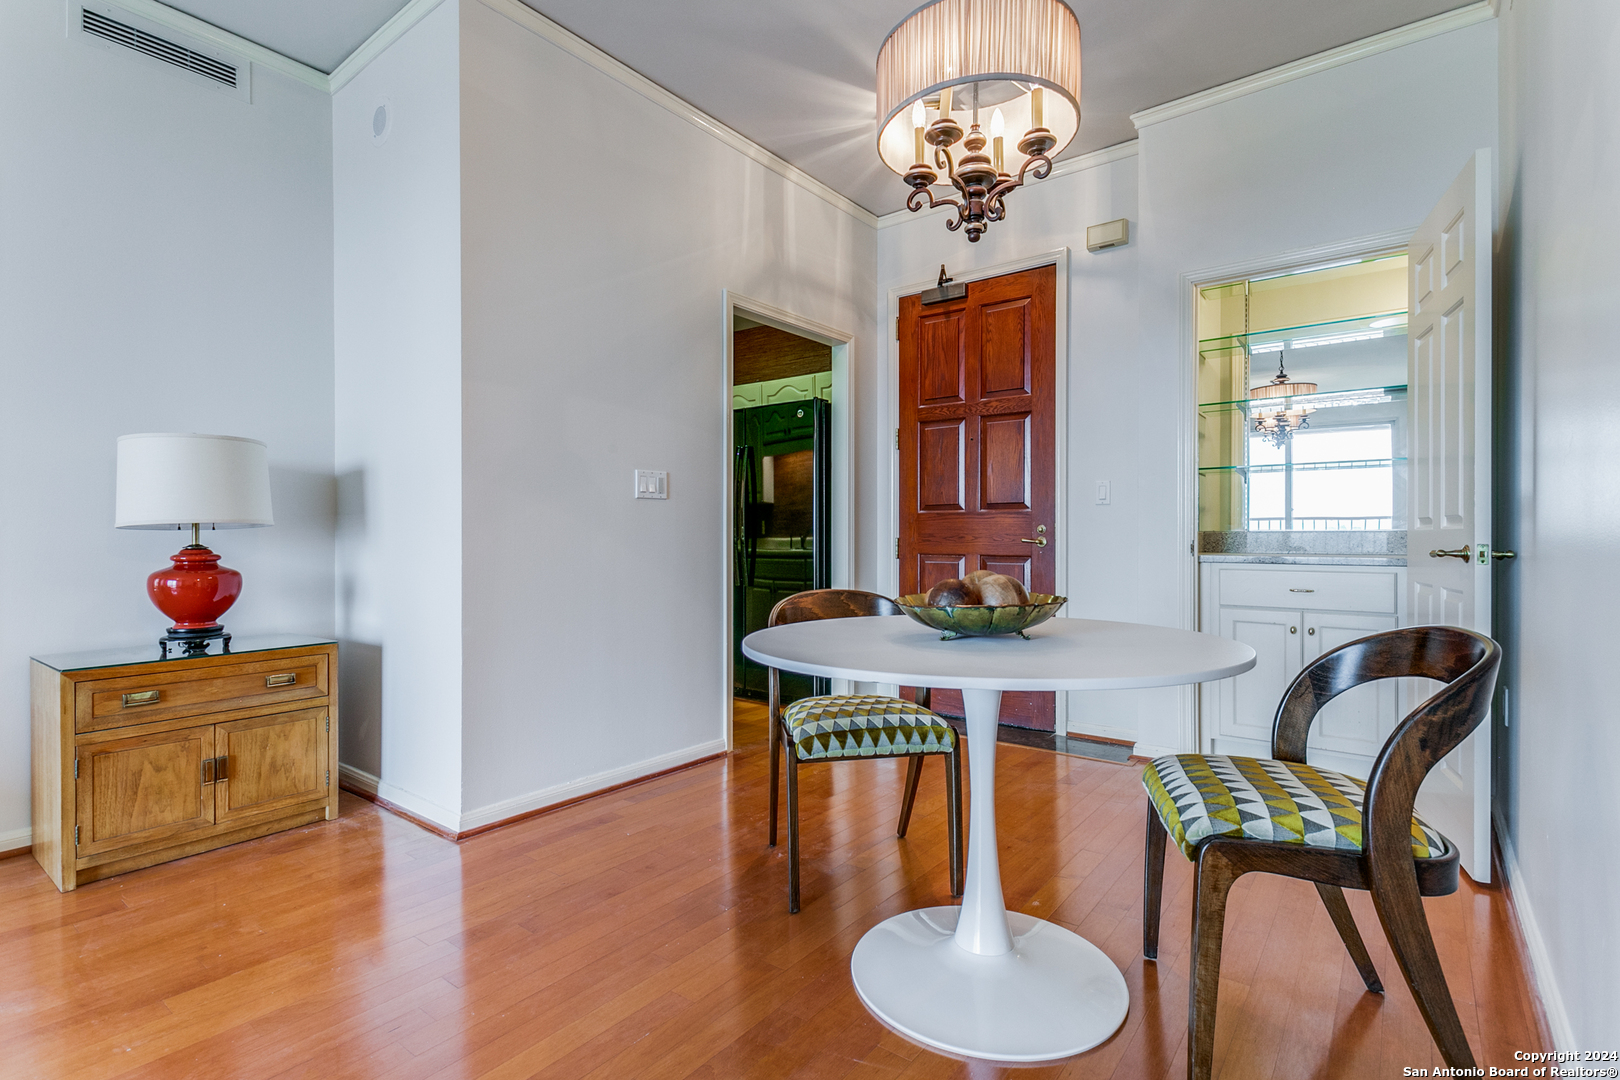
{"x":175,"y":481}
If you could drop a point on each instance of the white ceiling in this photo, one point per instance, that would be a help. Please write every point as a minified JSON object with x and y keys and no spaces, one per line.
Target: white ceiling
{"x":797,"y":78}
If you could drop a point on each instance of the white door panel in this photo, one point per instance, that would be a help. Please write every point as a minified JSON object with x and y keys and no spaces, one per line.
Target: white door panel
{"x":1360,"y":719}
{"x":1449,"y":458}
{"x":1249,"y":701}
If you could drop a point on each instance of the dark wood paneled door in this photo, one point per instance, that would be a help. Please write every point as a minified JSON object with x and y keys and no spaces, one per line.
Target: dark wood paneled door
{"x":978,"y":445}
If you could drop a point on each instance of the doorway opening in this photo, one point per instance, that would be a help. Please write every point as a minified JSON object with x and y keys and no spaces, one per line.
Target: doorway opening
{"x":787,"y":475}
{"x":781,"y":436}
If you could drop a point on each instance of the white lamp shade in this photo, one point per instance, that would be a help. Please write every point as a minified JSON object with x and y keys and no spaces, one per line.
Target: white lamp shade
{"x":170,"y":480}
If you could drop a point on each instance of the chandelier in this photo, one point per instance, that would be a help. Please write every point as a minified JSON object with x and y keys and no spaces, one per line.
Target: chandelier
{"x":949,"y":61}
{"x":1277,"y":421}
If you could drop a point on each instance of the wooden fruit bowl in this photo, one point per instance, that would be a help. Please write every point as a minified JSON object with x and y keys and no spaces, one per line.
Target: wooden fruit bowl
{"x":981,"y":620}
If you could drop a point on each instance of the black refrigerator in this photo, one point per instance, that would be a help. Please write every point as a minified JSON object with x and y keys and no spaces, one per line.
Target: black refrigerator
{"x":781,"y":502}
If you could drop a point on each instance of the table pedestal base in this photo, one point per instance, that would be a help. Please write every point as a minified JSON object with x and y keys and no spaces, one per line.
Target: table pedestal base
{"x":1055,"y":995}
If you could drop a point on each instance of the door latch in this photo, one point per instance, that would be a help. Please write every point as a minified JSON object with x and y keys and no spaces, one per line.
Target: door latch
{"x":1465,"y":553}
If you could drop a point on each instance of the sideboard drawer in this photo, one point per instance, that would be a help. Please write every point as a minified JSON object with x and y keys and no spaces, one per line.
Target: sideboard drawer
{"x":142,"y":699}
{"x":1374,"y":591}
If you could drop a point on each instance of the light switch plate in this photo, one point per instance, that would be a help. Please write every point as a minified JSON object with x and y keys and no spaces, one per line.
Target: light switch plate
{"x":1102,"y":493}
{"x":652,"y":484}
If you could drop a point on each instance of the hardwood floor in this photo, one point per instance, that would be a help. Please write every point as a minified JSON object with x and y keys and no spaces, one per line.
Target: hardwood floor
{"x":646,"y":934}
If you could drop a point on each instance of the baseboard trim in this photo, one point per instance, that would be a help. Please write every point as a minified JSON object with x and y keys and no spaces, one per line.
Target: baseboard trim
{"x":497,"y":815}
{"x":509,"y":810}
{"x":16,"y":842}
{"x":1552,"y":1017}
{"x":549,"y":807}
{"x":406,"y":804}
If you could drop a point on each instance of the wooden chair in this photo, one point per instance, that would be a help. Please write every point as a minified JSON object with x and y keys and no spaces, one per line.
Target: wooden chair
{"x":856,"y":728}
{"x":1281,"y":816}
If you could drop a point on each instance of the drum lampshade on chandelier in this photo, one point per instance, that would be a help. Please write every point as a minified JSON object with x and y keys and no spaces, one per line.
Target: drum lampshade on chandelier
{"x":1009,"y":66}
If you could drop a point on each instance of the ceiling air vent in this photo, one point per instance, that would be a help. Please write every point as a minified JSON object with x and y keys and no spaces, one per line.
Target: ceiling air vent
{"x":109,"y":26}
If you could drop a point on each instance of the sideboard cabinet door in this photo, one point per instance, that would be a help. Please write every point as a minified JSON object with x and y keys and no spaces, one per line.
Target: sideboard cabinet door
{"x":142,"y":790}
{"x":271,"y":763}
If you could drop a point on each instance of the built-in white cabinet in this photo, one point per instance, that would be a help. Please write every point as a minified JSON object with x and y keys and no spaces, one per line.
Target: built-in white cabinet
{"x":1290,"y":614}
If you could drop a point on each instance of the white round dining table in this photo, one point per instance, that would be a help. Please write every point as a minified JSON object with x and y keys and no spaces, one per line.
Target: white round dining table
{"x":977,"y":980}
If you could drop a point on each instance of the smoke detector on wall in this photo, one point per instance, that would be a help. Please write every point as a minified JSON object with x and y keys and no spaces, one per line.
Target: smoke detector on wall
{"x":119,"y":30}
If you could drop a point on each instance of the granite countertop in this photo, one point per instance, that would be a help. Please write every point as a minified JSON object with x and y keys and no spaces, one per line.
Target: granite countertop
{"x":1295,"y":559}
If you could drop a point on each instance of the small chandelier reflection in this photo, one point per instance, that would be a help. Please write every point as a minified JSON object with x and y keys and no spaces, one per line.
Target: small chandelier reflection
{"x":1278,"y":418}
{"x":1019,"y":58}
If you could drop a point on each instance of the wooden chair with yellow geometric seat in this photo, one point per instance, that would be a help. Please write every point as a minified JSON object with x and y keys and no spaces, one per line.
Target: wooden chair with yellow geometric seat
{"x":1233,"y":815}
{"x":856,"y":728}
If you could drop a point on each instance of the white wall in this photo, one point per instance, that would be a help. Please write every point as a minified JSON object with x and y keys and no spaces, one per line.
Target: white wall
{"x":397,"y":267}
{"x":1353,"y":151}
{"x":1559,"y":501}
{"x":165,"y":265}
{"x":593,"y":270}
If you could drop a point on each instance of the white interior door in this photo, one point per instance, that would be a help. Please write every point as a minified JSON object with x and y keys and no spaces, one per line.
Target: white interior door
{"x":1449,"y":458}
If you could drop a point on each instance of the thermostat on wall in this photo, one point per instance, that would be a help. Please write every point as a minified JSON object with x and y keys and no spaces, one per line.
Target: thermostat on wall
{"x":1109,"y":234}
{"x":651,"y":484}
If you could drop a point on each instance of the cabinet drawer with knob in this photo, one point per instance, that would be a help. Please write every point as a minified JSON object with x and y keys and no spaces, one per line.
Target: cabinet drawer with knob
{"x":142,"y":699}
{"x":1372,"y":591}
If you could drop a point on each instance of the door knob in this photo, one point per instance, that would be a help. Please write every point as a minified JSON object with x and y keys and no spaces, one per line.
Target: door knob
{"x":1504,"y":554}
{"x":1464,"y":553}
{"x":1039,"y":541}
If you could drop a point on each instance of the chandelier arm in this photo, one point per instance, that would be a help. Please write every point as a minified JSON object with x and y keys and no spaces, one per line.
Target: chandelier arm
{"x":914,"y":203}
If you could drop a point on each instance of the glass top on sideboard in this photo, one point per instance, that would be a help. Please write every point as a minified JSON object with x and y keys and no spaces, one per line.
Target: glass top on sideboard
{"x":147,"y":654}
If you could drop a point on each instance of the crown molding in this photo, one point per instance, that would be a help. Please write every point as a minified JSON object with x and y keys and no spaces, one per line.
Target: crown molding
{"x":1443,"y":23}
{"x":581,"y":49}
{"x":374,"y":46}
{"x":1079,"y":163}
{"x":260,"y":56}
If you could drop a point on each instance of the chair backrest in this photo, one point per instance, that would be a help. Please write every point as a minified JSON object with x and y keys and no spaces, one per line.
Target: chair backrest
{"x":826,"y":604}
{"x":1465,"y":661}
{"x":830,"y":604}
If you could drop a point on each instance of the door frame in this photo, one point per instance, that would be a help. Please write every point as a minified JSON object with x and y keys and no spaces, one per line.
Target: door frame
{"x":1190,"y":730}
{"x":840,"y":528}
{"x":1059,"y":258}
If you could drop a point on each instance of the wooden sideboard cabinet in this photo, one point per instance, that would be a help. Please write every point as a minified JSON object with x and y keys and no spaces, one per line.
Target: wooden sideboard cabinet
{"x":138,"y":760}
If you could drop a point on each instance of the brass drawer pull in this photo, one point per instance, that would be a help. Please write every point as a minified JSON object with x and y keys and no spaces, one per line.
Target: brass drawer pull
{"x":219,"y":768}
{"x":280,"y":680}
{"x":208,"y":770}
{"x":142,"y":697}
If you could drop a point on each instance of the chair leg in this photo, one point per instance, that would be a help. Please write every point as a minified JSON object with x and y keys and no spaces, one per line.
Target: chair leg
{"x":1215,"y":874}
{"x":953,"y":816}
{"x":913,"y":774}
{"x":1339,"y":912}
{"x":793,"y":826}
{"x":776,"y":771}
{"x":1152,"y":883}
{"x":1400,"y":909}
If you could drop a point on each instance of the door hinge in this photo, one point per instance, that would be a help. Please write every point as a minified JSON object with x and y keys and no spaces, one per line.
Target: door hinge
{"x":897,"y":547}
{"x":897,"y":328}
{"x":328,"y":777}
{"x":897,"y":438}
{"x":75,"y":768}
{"x":329,"y":725}
{"x":75,"y":836}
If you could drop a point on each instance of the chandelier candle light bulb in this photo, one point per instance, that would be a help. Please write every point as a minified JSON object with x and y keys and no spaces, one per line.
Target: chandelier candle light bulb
{"x":919,"y":120}
{"x":997,"y":125}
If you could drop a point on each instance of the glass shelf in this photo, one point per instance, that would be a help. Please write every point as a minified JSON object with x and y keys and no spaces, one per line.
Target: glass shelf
{"x":1329,"y":399}
{"x":1303,"y":466}
{"x":1337,"y":332}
